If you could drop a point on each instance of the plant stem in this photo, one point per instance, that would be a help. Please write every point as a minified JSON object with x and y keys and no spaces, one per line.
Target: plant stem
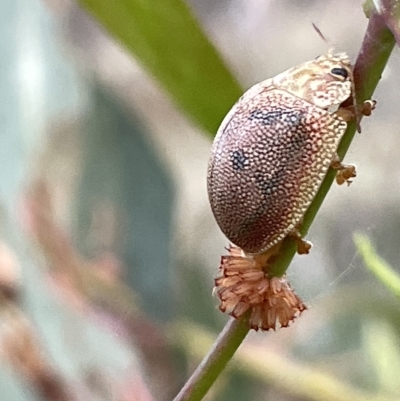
{"x":214,"y":363}
{"x":375,"y":51}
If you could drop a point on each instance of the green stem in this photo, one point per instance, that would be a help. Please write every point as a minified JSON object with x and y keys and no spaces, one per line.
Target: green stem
{"x":215,"y":361}
{"x":375,"y":51}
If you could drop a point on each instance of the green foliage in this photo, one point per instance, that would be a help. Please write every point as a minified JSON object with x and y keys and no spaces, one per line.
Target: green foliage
{"x":170,"y":43}
{"x":375,"y":264}
{"x":380,"y":337}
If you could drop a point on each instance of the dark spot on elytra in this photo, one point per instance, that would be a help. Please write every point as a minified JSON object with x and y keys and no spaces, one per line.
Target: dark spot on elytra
{"x":239,"y":159}
{"x":291,"y":118}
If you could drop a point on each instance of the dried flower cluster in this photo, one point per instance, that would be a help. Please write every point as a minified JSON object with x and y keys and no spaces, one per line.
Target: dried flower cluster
{"x":243,"y":285}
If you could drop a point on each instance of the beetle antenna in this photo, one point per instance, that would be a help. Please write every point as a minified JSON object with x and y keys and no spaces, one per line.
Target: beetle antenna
{"x":322,"y":36}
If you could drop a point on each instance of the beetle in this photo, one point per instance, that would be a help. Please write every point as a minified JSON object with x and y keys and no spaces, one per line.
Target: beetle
{"x":273,"y":150}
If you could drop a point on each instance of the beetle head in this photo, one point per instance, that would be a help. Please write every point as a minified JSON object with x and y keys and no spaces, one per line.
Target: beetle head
{"x":325,"y":82}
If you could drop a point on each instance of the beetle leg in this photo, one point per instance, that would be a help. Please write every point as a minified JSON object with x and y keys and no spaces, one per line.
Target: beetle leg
{"x":303,"y":246}
{"x":346,"y":113}
{"x":367,"y":107}
{"x":344,"y":171}
{"x":352,"y":112}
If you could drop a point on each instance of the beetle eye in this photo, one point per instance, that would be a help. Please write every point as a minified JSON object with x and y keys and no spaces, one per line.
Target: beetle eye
{"x":339,"y":71}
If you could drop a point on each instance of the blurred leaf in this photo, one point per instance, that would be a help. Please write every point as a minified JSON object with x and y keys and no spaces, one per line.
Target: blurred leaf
{"x":377,"y":265}
{"x":169,"y":42}
{"x":383,"y":346}
{"x":117,"y":167}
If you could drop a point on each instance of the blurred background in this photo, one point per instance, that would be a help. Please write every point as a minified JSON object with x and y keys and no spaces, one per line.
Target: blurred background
{"x":108,"y":246}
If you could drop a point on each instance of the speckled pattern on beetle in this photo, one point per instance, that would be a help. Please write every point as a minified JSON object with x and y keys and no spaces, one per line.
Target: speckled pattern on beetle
{"x":273,"y":149}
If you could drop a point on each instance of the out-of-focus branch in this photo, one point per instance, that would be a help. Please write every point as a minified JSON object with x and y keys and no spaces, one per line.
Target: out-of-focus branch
{"x":19,"y":346}
{"x":85,"y":286}
{"x":65,"y":261}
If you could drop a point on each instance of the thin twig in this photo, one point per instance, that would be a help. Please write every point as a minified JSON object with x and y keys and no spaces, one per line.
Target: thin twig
{"x":375,"y":51}
{"x":214,"y":363}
